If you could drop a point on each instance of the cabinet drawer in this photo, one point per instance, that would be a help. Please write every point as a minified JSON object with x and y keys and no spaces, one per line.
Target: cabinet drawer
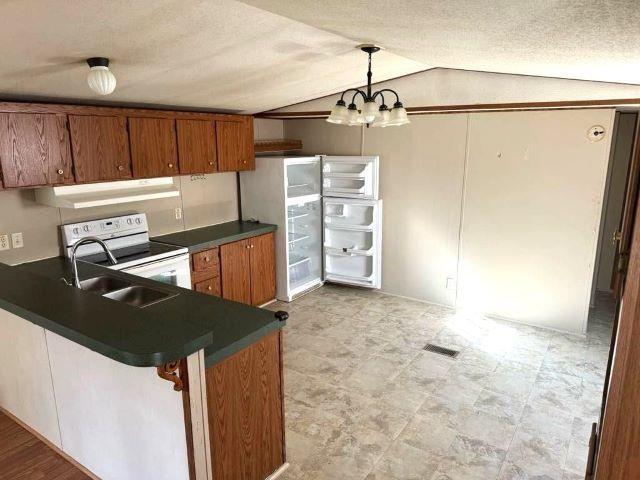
{"x":210,"y":286}
{"x":205,"y":260}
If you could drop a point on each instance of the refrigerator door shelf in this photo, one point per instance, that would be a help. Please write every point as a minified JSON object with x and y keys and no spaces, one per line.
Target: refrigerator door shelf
{"x":361,"y":281}
{"x":348,"y":252}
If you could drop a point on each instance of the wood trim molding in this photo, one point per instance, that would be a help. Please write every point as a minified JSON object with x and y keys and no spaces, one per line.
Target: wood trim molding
{"x":168,"y":372}
{"x":483,"y":107}
{"x":27,"y":107}
{"x":51,"y":445}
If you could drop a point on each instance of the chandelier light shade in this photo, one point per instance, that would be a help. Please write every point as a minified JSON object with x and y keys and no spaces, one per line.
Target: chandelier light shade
{"x":100,"y":78}
{"x":370,"y":113}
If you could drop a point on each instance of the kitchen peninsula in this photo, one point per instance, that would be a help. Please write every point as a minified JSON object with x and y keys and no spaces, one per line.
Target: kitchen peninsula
{"x":189,"y":387}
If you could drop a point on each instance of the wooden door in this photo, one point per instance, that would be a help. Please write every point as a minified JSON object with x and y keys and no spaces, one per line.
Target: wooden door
{"x":618,"y":456}
{"x":263,"y":268}
{"x":244,"y":395}
{"x":153,"y":147}
{"x":100,"y":147}
{"x":196,"y":146}
{"x":34,"y":149}
{"x":235,"y":145}
{"x":235,"y":271}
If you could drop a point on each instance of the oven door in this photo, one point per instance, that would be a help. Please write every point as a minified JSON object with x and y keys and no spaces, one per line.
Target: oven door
{"x":172,"y":271}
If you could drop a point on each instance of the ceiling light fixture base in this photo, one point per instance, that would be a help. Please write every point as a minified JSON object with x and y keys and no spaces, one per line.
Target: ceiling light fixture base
{"x":369,"y":48}
{"x":98,"y":62}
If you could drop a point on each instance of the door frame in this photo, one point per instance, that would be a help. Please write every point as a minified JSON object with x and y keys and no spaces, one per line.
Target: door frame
{"x":617,"y":455}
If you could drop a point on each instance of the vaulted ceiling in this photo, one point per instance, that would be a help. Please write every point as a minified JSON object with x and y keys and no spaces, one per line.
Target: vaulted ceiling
{"x":262,"y":54}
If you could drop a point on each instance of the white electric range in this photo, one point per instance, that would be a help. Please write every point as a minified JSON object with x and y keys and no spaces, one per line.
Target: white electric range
{"x":127,"y":237}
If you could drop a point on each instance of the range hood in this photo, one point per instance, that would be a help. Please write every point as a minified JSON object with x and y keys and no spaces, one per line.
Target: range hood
{"x":109,"y":193}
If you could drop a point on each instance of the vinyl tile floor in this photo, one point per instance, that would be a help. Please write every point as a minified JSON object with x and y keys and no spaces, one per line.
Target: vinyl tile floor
{"x":364,"y":401}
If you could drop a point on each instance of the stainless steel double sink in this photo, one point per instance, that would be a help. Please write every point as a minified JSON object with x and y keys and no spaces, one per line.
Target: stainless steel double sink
{"x":125,"y":292}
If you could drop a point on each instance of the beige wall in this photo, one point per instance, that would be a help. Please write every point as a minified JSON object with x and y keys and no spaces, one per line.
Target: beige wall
{"x":531,"y":217}
{"x":204,"y":200}
{"x":533,"y":197}
{"x":620,"y":157}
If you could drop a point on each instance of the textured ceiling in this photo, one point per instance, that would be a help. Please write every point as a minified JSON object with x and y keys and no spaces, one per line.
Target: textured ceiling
{"x":580,"y":39}
{"x":262,"y":54}
{"x":217,"y":54}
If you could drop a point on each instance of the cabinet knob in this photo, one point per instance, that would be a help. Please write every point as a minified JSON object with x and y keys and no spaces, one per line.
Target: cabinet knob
{"x":210,"y":163}
{"x":120,"y":168}
{"x":244,"y":161}
{"x":209,"y":288}
{"x":170,"y":165}
{"x":206,"y":259}
{"x":60,"y":171}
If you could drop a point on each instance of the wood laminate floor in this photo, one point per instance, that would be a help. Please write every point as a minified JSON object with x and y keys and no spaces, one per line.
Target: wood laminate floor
{"x":25,"y":457}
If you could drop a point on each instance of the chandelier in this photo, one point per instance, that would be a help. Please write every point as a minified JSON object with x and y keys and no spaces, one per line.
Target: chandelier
{"x":370,"y":113}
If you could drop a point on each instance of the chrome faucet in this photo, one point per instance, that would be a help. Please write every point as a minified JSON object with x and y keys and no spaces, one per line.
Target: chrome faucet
{"x":74,"y":262}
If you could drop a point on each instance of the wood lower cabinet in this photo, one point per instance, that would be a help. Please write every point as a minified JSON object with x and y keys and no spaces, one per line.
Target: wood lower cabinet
{"x":235,"y":264}
{"x":154,"y":150}
{"x":245,"y":410}
{"x":248,"y":271}
{"x":35,"y":150}
{"x":205,"y":272}
{"x":100,"y":147}
{"x":262,"y":253}
{"x":196,"y":146}
{"x":235,"y":145}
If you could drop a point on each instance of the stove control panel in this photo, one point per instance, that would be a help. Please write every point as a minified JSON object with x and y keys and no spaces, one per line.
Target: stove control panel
{"x":106,"y":228}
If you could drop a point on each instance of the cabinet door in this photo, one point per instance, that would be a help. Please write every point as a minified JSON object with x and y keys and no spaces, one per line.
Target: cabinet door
{"x":244,"y":397}
{"x":196,"y":146}
{"x":235,"y":271}
{"x":153,"y":147}
{"x":100,"y":148}
{"x":235,"y":145}
{"x":34,"y":149}
{"x":263,"y":268}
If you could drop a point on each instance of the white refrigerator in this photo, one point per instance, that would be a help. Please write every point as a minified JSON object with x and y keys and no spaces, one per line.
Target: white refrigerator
{"x":328,"y":215}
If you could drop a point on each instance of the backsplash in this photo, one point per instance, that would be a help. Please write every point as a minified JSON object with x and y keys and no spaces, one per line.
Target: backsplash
{"x":204,"y":200}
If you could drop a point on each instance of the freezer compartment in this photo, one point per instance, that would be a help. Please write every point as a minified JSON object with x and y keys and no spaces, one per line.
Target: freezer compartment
{"x":303,"y":179}
{"x":351,"y":177}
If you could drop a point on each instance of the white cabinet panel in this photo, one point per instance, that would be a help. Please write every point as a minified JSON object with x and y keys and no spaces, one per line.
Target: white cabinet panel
{"x":26,"y":390}
{"x":121,"y":422}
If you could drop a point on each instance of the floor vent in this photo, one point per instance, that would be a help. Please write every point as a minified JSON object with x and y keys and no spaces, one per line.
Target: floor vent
{"x":447,"y":352}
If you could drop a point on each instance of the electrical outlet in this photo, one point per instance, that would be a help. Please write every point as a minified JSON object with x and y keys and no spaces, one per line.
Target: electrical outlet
{"x":4,"y":242}
{"x":178,"y":213}
{"x":17,"y":240}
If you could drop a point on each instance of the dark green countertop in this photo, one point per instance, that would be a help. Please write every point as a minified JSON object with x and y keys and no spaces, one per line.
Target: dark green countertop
{"x":199,"y":239}
{"x":163,"y":332}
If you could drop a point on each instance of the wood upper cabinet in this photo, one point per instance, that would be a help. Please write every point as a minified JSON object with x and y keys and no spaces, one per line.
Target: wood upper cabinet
{"x":248,"y":270}
{"x":34,"y":149}
{"x":245,"y":409}
{"x":235,"y":145}
{"x":235,"y":273}
{"x":197,"y":146}
{"x":153,"y":147}
{"x":262,"y":255}
{"x":100,"y":147}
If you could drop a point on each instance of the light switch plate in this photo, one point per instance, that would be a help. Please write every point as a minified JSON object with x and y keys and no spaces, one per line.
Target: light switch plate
{"x":4,"y":242}
{"x":178,"y":213}
{"x":16,"y":240}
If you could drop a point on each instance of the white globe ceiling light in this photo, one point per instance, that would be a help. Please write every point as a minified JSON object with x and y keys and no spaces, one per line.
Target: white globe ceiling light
{"x":100,"y":78}
{"x":370,"y":113}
